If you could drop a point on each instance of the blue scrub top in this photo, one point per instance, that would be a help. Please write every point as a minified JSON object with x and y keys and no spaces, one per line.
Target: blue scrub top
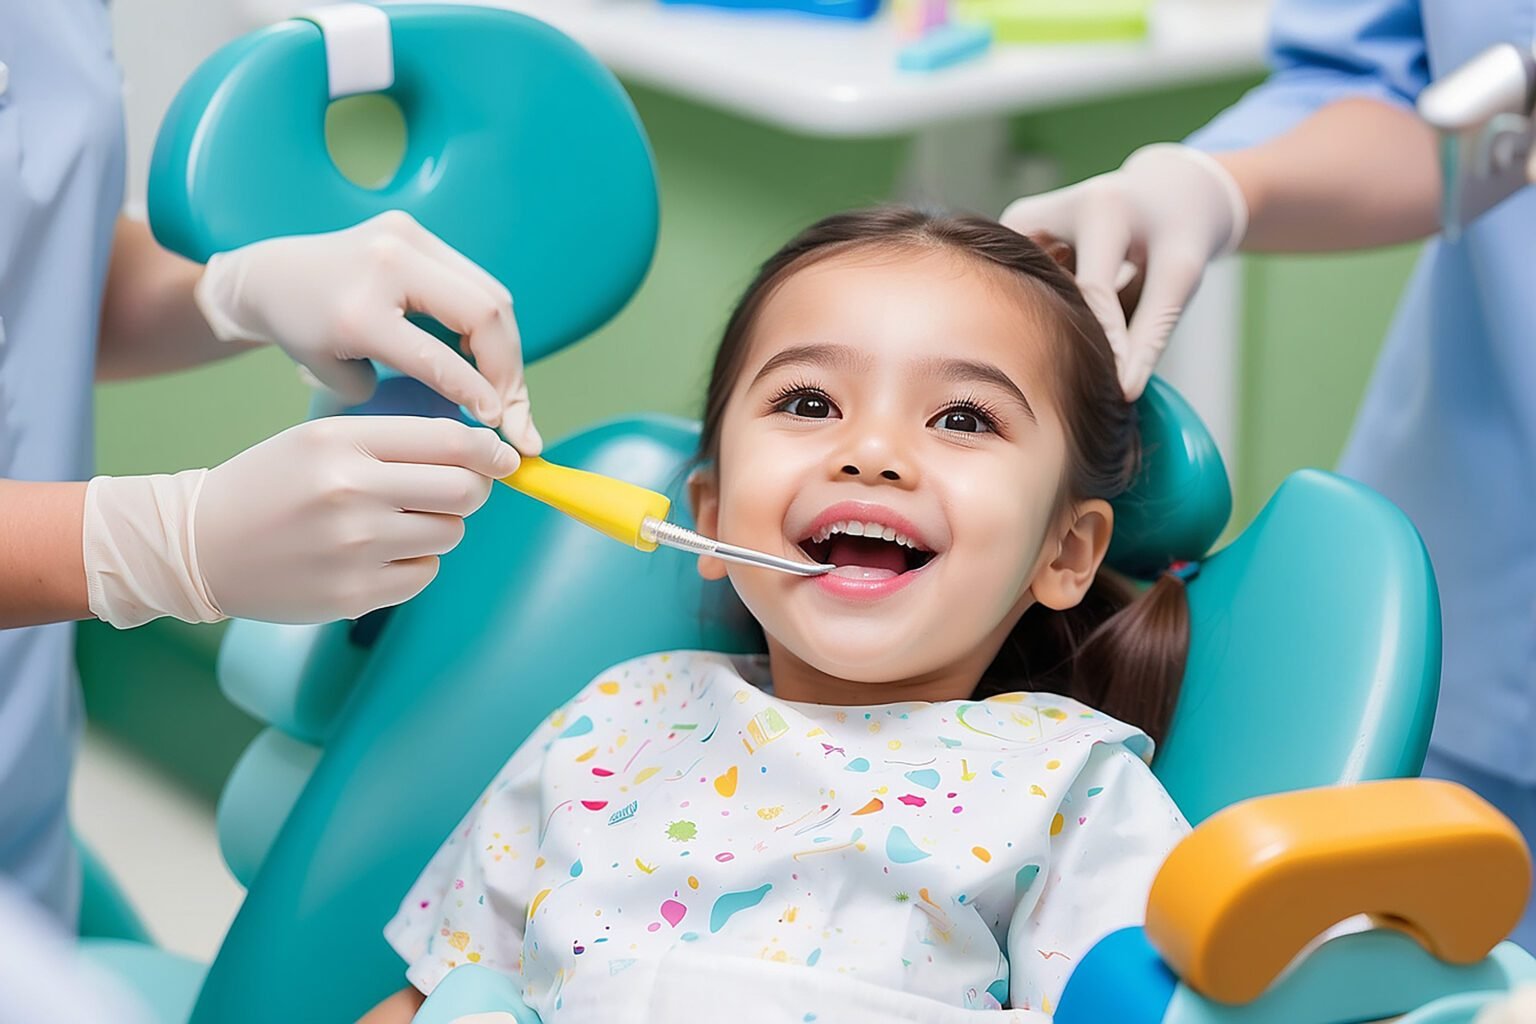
{"x":61,"y":185}
{"x":1448,"y":427}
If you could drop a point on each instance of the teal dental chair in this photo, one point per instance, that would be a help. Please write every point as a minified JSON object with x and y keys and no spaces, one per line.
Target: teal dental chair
{"x":1315,"y":653}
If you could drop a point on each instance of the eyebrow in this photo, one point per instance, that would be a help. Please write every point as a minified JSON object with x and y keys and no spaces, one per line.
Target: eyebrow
{"x":835,"y":357}
{"x":849,"y":359}
{"x":962,"y":371}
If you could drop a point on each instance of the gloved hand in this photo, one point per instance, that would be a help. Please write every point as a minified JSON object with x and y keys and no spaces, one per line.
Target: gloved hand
{"x":1169,"y":207}
{"x":333,"y":300}
{"x":328,"y":520}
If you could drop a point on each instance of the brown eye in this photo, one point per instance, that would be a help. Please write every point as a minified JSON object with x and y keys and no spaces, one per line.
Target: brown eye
{"x":811,"y":405}
{"x":962,"y":421}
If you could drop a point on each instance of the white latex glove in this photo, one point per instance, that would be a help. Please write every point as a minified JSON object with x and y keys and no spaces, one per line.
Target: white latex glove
{"x":1173,"y":207}
{"x":1519,"y":1008}
{"x":328,"y":520}
{"x":333,"y":300}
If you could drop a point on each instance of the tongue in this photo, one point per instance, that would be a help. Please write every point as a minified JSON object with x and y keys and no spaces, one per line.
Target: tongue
{"x":866,"y":557}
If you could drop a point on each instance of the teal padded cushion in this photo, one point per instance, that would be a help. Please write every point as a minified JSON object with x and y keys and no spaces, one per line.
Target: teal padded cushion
{"x":167,"y":984}
{"x":1181,"y":498}
{"x":260,"y":791}
{"x":521,"y":150}
{"x":1314,"y":655}
{"x":294,"y":677}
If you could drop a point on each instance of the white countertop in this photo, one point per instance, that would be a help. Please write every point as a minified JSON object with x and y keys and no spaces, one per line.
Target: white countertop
{"x":824,"y":76}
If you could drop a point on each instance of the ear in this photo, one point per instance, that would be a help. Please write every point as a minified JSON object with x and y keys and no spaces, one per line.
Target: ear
{"x":1062,"y":582}
{"x":704,"y":503}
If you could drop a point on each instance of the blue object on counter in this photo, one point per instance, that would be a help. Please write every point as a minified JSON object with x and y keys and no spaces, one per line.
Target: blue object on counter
{"x":945,"y":47}
{"x":831,"y":8}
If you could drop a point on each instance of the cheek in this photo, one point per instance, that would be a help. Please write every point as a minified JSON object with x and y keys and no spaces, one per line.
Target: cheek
{"x":1000,"y":513}
{"x":759,"y":476}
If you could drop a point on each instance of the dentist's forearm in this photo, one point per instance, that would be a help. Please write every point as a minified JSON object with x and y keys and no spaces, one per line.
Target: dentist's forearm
{"x":42,"y":564}
{"x":149,"y":322}
{"x":1358,"y":173}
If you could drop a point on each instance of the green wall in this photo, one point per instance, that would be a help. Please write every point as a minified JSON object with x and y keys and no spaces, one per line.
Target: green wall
{"x":1312,"y":326}
{"x":731,"y":193}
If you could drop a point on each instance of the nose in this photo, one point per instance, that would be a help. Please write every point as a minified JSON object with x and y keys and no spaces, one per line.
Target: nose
{"x":875,"y":456}
{"x":885,"y":474}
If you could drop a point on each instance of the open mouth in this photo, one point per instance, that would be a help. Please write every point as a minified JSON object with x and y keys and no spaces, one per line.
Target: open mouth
{"x":865,"y":550}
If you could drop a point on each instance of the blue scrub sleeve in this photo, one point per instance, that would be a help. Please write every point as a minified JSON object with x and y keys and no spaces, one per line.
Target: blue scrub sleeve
{"x":1322,"y":51}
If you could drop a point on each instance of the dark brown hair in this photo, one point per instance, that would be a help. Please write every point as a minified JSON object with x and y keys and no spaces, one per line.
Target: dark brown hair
{"x":1117,"y":650}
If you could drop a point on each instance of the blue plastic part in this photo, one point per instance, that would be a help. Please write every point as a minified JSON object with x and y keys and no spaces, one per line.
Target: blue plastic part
{"x":827,"y":8}
{"x":1314,"y":652}
{"x":522,"y":151}
{"x":471,"y":988}
{"x":1367,"y":976}
{"x":1121,"y":980}
{"x":260,"y":791}
{"x":165,"y":983}
{"x":1181,"y":498}
{"x":945,"y":47}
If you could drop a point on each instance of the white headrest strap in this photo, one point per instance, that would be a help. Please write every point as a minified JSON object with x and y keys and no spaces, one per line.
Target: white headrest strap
{"x":359,"y":51}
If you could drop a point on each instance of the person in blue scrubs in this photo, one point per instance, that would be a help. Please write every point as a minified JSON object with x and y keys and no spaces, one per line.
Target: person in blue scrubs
{"x":1328,"y":154}
{"x":324,"y":521}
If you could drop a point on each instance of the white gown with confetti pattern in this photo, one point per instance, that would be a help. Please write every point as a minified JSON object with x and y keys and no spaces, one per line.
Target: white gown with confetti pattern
{"x":677,"y":844}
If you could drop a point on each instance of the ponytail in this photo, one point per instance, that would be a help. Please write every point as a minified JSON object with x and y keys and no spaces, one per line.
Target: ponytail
{"x":1120,"y":651}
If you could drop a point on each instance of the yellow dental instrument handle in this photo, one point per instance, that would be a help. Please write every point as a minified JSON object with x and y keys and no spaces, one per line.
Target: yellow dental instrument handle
{"x":609,"y":506}
{"x":633,"y":515}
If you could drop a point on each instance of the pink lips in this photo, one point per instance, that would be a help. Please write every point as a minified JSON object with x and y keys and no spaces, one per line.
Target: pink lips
{"x":863,"y":590}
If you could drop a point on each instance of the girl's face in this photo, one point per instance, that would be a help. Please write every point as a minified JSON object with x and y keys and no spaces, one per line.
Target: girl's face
{"x":896,"y":415}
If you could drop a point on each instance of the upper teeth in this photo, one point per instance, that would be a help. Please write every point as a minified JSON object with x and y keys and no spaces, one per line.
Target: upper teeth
{"x":854,"y":528}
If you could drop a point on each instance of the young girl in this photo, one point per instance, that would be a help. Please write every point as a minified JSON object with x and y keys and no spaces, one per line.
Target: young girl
{"x":898,"y":813}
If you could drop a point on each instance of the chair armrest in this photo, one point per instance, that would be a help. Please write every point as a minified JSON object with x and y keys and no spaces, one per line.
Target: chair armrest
{"x":1244,"y":893}
{"x":294,"y":677}
{"x":472,"y":989}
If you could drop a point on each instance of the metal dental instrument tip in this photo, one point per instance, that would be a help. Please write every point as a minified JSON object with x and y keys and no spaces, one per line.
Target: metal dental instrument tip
{"x":660,"y":531}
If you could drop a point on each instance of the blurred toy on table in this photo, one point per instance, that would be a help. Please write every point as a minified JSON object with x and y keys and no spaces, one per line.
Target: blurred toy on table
{"x":933,"y":38}
{"x":829,"y":8}
{"x":1059,"y":21}
{"x":1007,"y":21}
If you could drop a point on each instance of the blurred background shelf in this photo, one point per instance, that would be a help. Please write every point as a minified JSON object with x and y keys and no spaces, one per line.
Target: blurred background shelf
{"x":824,"y":76}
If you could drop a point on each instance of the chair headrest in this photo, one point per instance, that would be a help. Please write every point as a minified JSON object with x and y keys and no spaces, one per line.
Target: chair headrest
{"x":1181,"y":499}
{"x":555,"y":196}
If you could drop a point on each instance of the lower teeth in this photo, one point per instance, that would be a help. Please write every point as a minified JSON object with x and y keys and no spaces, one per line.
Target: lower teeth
{"x":862,"y":572}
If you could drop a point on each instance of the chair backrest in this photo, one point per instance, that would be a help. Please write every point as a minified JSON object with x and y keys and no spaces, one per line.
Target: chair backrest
{"x":530,"y":606}
{"x":1314,"y":653}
